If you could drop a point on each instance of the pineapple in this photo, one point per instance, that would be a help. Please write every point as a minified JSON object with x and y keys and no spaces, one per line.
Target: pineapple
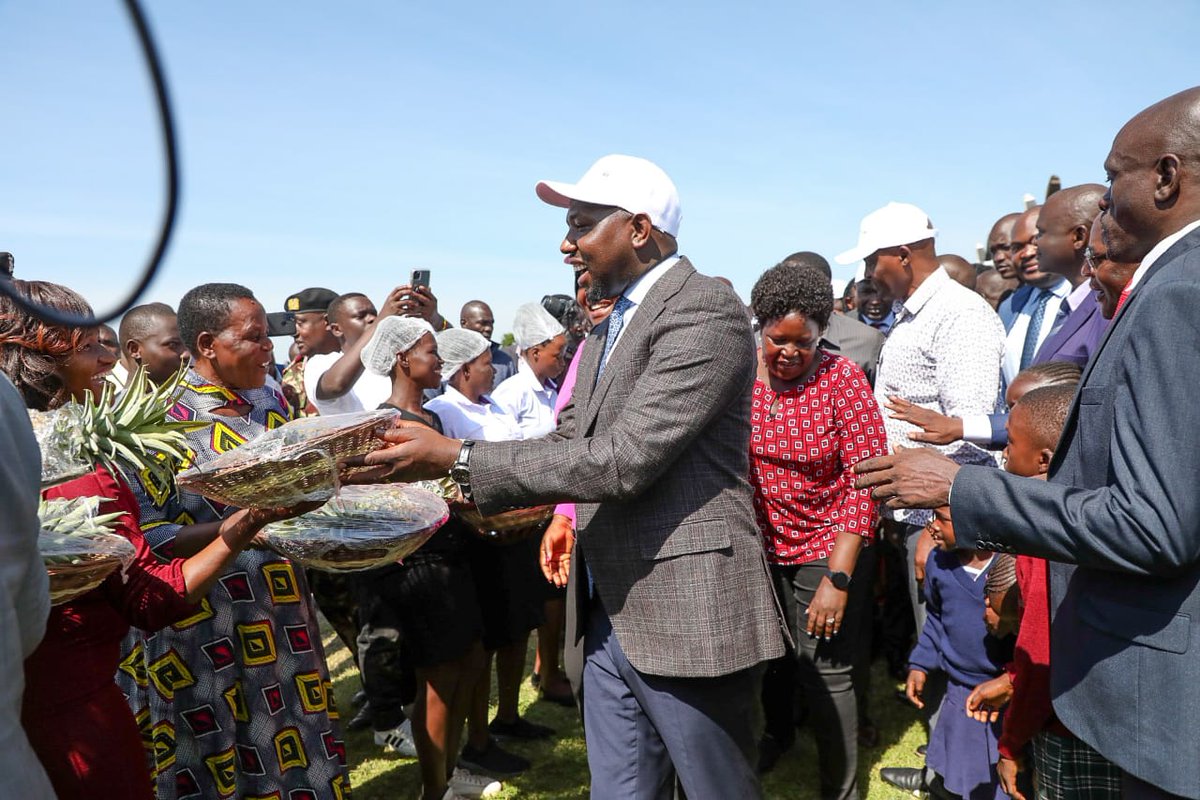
{"x":135,"y":431}
{"x":78,"y":546}
{"x":76,"y":515}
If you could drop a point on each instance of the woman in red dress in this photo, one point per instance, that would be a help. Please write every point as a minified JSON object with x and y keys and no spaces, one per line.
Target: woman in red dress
{"x":75,"y":716}
{"x":813,"y":417}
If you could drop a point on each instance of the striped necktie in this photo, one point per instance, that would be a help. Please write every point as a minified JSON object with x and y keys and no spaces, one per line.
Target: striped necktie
{"x":1035,"y":325}
{"x":616,"y":321}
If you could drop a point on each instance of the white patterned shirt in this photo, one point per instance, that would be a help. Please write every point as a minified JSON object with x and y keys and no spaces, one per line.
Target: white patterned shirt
{"x":942,"y":353}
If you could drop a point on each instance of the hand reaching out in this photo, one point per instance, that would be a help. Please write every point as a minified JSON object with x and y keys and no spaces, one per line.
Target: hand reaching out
{"x":936,"y":428}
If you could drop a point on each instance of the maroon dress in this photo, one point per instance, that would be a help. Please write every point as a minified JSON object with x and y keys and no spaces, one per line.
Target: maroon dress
{"x":76,"y":718}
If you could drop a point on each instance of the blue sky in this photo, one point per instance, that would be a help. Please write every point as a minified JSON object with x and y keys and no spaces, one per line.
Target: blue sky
{"x":345,"y":144}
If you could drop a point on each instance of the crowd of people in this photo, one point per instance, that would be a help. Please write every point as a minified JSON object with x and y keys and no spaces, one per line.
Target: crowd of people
{"x":974,"y":470}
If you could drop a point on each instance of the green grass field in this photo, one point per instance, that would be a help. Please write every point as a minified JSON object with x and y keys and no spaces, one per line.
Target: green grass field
{"x":560,"y":764}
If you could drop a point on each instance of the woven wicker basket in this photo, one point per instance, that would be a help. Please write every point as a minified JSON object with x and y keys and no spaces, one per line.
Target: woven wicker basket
{"x":300,"y":470}
{"x":68,"y":581}
{"x":508,"y":526}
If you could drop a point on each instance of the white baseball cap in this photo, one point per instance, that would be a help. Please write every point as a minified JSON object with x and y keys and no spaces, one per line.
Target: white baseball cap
{"x":634,"y":184}
{"x":891,"y":226}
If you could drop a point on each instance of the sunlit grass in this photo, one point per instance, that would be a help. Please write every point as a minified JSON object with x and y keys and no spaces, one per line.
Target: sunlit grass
{"x":560,"y":764}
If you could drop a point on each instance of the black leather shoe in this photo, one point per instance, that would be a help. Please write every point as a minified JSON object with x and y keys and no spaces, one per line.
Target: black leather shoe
{"x":361,"y":719}
{"x":908,"y":779}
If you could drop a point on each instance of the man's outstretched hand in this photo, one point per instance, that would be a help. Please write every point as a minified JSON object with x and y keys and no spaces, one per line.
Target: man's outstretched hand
{"x":916,"y":477}
{"x":416,"y":452}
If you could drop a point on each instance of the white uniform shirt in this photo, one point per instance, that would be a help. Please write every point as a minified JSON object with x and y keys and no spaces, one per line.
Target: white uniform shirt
{"x":524,"y":398}
{"x":463,"y":419}
{"x":367,"y":393}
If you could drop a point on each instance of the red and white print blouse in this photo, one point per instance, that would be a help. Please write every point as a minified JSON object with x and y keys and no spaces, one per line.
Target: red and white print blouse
{"x":801,"y":457}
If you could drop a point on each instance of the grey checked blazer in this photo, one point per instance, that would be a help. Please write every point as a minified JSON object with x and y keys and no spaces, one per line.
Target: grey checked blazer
{"x":1121,"y":512}
{"x":657,"y":458}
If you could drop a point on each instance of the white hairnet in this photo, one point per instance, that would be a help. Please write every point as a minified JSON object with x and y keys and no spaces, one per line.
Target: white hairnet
{"x":534,"y":325}
{"x":457,"y":346}
{"x":392,"y":336}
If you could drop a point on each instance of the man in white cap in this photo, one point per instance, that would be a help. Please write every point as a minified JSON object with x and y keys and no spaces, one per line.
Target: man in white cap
{"x":943,"y":352}
{"x":668,"y":587}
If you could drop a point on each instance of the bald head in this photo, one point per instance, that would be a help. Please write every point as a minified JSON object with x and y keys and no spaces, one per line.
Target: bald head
{"x":993,"y":287}
{"x":1063,"y":228}
{"x":807,"y":258}
{"x":477,"y":316}
{"x":1154,"y":173}
{"x":999,"y":243}
{"x":959,"y":268}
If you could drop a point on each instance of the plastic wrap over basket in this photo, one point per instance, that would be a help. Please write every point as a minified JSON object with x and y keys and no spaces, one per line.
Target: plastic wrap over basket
{"x":77,"y":548}
{"x":292,"y":464}
{"x":361,"y":528}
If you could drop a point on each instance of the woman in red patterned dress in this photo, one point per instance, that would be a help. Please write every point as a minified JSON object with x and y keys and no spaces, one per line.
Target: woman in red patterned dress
{"x":813,"y":418}
{"x":75,"y":716}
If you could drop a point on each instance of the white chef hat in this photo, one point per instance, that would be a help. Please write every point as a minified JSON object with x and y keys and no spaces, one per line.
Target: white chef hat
{"x":458,"y":346}
{"x":534,"y":325}
{"x":392,"y":336}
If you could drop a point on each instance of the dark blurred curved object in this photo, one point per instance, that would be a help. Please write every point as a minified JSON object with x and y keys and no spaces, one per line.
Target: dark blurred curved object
{"x":1053,"y":185}
{"x":167,"y":126}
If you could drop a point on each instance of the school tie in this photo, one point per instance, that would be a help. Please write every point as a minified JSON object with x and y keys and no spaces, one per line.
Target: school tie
{"x":1035,"y":325}
{"x":616,"y":321}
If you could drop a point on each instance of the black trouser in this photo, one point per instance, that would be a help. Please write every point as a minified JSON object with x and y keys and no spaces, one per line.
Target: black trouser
{"x":337,"y":599}
{"x":825,"y":671}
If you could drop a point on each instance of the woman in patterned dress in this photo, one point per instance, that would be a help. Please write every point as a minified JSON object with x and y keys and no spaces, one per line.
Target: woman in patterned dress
{"x":813,"y":418}
{"x":236,"y":699}
{"x":75,"y":716}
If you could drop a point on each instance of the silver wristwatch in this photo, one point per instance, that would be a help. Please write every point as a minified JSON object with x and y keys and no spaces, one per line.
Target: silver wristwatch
{"x":460,"y":471}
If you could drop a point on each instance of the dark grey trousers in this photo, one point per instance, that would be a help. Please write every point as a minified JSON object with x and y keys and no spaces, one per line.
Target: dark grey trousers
{"x":644,"y":730}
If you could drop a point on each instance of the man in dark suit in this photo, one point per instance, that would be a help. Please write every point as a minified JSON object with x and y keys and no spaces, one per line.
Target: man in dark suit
{"x":1063,"y":230}
{"x":668,"y":580}
{"x":1120,"y":512}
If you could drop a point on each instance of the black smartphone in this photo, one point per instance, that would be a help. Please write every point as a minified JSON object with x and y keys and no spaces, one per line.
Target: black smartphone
{"x":420,"y":277}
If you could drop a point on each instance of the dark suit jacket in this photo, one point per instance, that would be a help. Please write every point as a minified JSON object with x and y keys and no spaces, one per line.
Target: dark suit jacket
{"x":1079,"y":336}
{"x":1075,"y":342}
{"x":856,"y":341}
{"x":656,"y":458}
{"x":1011,"y":306}
{"x":1121,"y":513}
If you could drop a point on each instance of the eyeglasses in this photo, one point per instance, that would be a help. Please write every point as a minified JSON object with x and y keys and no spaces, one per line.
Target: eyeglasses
{"x":1093,"y":259}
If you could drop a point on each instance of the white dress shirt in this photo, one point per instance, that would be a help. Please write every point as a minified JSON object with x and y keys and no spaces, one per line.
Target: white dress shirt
{"x":463,"y":419}
{"x":366,"y":394}
{"x":1157,"y":251}
{"x":636,"y":292}
{"x":1014,"y":343}
{"x":943,"y":353}
{"x":525,"y":398}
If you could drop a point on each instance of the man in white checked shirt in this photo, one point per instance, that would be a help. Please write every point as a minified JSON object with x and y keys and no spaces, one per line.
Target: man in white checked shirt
{"x":943,"y":351}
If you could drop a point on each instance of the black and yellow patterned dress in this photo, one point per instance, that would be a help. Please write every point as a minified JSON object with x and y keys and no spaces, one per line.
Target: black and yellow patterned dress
{"x":234,"y":701}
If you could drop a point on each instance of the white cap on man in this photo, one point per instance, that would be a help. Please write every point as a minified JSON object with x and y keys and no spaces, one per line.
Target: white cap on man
{"x":634,"y":184}
{"x":891,"y":226}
